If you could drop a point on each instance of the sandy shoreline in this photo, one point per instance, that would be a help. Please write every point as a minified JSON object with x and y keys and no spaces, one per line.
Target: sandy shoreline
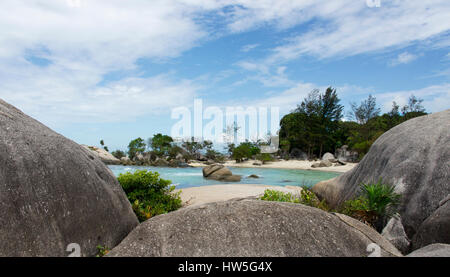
{"x":291,"y":164}
{"x":207,"y":194}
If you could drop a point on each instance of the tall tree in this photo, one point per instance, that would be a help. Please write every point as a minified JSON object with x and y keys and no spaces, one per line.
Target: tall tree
{"x":414,"y":106}
{"x":136,"y":146}
{"x":160,"y":144}
{"x":311,"y":125}
{"x":365,"y":111}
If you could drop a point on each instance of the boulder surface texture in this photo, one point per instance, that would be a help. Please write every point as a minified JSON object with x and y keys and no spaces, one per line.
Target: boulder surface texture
{"x":243,"y":227}
{"x":54,"y":192}
{"x":414,"y":157}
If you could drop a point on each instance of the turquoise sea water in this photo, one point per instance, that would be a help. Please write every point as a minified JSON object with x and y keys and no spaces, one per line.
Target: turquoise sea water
{"x":192,"y":176}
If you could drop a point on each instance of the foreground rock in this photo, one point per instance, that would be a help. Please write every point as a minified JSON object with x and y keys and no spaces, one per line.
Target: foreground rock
{"x":102,"y":154}
{"x":251,"y":228}
{"x":432,"y":250}
{"x":436,"y":228}
{"x":221,"y":173}
{"x":395,"y":234}
{"x":414,"y":157}
{"x":54,"y":192}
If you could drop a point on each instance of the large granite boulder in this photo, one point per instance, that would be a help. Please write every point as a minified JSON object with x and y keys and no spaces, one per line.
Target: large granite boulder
{"x":221,"y":173}
{"x":435,"y":229}
{"x":54,"y":192}
{"x":432,"y":250}
{"x":102,"y":154}
{"x":251,"y":228}
{"x":414,"y":157}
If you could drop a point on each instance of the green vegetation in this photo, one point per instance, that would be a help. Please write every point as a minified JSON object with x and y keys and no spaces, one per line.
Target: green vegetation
{"x":214,"y":155}
{"x":312,"y":126}
{"x":149,"y":194}
{"x":306,"y":197}
{"x":119,"y":154}
{"x":161,"y":144}
{"x":315,"y":127}
{"x":102,"y":251}
{"x":102,"y":143}
{"x":135,"y":147}
{"x":264,"y":157}
{"x":279,"y":196}
{"x":376,"y":205}
{"x":245,"y":150}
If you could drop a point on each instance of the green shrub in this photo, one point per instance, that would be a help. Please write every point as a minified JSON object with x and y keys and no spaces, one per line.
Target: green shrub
{"x":309,"y":198}
{"x":279,"y":196}
{"x":306,"y":197}
{"x":149,"y":194}
{"x":245,"y":150}
{"x":264,"y":157}
{"x":214,"y":155}
{"x":136,"y":146}
{"x":377,"y":204}
{"x":102,"y":251}
{"x":119,"y":154}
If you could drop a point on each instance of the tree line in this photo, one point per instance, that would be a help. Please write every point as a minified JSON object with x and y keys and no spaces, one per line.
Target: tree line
{"x":316,"y":125}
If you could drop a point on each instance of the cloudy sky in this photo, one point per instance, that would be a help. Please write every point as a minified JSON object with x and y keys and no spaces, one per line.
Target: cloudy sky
{"x":114,"y":69}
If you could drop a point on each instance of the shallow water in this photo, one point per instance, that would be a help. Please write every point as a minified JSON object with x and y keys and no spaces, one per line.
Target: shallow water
{"x":193,"y":177}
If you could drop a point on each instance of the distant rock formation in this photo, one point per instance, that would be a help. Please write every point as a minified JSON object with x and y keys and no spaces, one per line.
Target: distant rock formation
{"x":54,"y":192}
{"x":328,"y":157}
{"x":346,"y":155}
{"x":221,"y":173}
{"x":102,"y":154}
{"x":414,"y":157}
{"x":252,"y":228}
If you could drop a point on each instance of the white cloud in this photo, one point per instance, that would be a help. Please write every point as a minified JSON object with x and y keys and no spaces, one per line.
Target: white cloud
{"x":436,"y":98}
{"x":403,"y":58}
{"x":84,"y":42}
{"x":248,"y":47}
{"x":57,"y":96}
{"x":359,"y":29}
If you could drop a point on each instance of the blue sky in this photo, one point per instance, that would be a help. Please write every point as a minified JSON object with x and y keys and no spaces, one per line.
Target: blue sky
{"x":114,"y":69}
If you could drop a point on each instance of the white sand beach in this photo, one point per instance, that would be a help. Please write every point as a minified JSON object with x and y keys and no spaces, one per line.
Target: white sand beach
{"x":207,"y":194}
{"x":291,"y":164}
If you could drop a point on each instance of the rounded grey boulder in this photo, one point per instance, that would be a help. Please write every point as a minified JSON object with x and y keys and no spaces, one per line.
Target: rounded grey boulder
{"x":414,"y":157}
{"x":251,"y":228}
{"x":435,"y":229}
{"x":220,"y":172}
{"x":54,"y":192}
{"x":432,"y":250}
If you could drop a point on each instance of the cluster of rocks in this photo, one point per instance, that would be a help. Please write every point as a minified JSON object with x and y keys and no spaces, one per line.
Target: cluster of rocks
{"x":328,"y":160}
{"x":55,"y":193}
{"x":182,"y":159}
{"x":346,"y":155}
{"x":220,"y":172}
{"x":147,"y":159}
{"x":102,"y":154}
{"x":414,"y":157}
